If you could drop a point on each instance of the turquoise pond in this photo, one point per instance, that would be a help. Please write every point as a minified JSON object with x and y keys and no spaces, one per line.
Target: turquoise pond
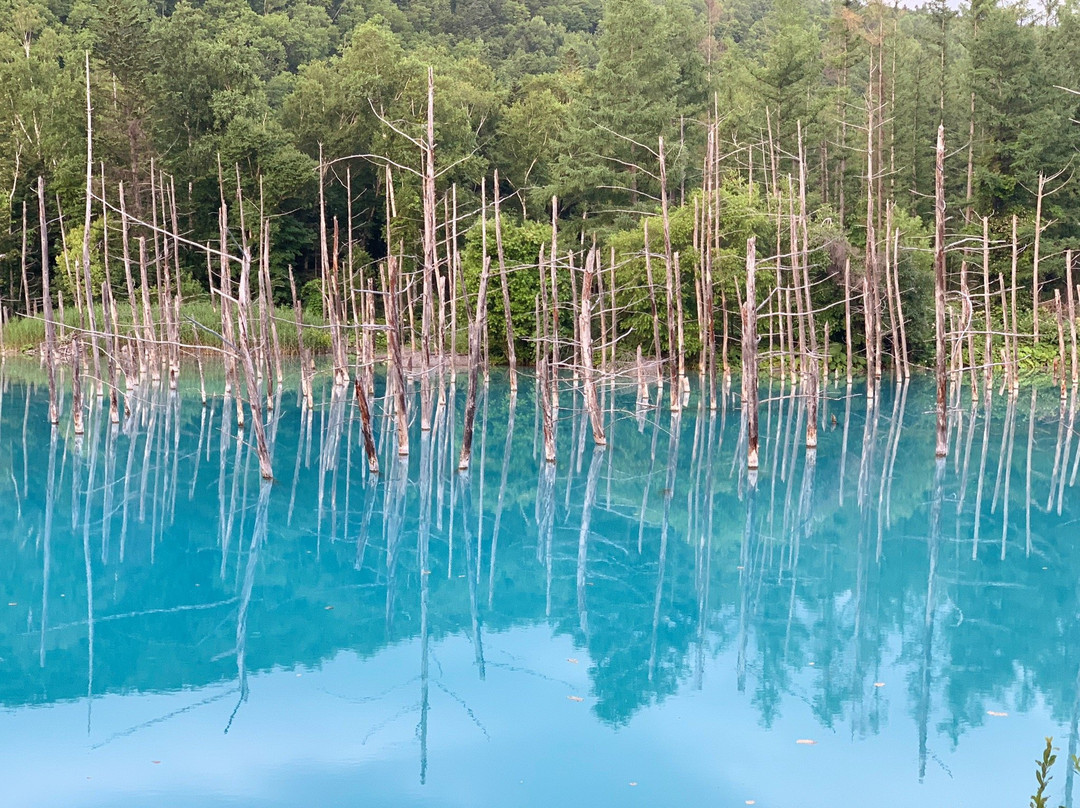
{"x":641,"y":625}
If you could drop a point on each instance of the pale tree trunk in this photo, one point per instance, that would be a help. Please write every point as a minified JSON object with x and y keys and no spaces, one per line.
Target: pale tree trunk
{"x":941,"y":446}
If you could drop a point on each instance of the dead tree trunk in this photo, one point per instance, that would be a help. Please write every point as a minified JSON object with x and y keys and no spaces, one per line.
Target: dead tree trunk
{"x":941,"y":445}
{"x":655,"y":314}
{"x":46,"y":306}
{"x":22,"y":264}
{"x":476,"y":337}
{"x":749,"y":356}
{"x":365,"y":426}
{"x":847,"y":314}
{"x":430,"y":258}
{"x":393,"y":342}
{"x":305,"y":361}
{"x":1035,"y":257}
{"x":511,"y":353}
{"x":585,"y":332}
{"x":76,"y":385}
{"x":1071,"y":298}
{"x":89,"y":284}
{"x":243,"y":307}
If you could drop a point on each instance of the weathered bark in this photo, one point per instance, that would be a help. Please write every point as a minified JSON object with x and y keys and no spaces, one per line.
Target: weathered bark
{"x":988,"y":345}
{"x":109,"y":314}
{"x":22,"y":264}
{"x":675,"y":363}
{"x":749,"y":357}
{"x":365,"y":426}
{"x":305,"y":361}
{"x":900,"y":307}
{"x":430,"y":257}
{"x":1059,"y":311}
{"x":1070,"y":291}
{"x":475,"y":342}
{"x":46,"y":305}
{"x":88,"y":219}
{"x":941,"y":445}
{"x":243,"y":306}
{"x":655,"y":312}
{"x":847,"y":314}
{"x":1035,"y":257}
{"x":149,"y":337}
{"x":76,"y":385}
{"x":397,"y":365}
{"x":511,"y":353}
{"x":1013,"y":306}
{"x":642,"y":386}
{"x":585,"y":332}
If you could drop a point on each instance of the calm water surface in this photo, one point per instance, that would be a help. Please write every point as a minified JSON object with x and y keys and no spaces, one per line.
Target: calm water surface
{"x":644,"y":625}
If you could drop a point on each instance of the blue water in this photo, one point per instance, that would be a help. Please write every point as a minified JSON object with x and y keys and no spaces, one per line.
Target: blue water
{"x":641,"y":625}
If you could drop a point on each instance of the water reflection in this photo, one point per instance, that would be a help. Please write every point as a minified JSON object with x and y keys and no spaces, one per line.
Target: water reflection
{"x":886,"y":593}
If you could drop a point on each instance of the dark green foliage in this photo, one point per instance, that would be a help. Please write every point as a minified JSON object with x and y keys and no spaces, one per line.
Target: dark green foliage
{"x":562,"y":97}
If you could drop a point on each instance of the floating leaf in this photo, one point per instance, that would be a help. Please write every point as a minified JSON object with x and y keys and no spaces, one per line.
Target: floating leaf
{"x":575,"y":698}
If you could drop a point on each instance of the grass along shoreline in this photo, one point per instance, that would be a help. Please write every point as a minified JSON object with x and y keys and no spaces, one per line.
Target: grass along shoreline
{"x":200,"y":326}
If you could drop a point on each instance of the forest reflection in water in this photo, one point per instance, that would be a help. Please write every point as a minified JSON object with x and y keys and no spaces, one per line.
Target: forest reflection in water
{"x":864,"y":586}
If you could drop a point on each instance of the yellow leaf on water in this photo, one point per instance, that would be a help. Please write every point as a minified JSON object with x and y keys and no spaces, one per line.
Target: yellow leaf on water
{"x":805,"y":742}
{"x":575,"y":698}
{"x":996,"y":714}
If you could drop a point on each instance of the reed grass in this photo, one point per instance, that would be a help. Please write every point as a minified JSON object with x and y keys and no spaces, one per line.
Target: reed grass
{"x":200,"y":325}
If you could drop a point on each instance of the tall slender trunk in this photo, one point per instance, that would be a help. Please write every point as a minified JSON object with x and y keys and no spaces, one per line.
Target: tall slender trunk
{"x":46,"y":305}
{"x":749,"y":359}
{"x":942,"y":445}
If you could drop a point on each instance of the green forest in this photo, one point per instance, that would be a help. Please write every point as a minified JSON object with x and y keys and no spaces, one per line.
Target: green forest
{"x":563,"y":99}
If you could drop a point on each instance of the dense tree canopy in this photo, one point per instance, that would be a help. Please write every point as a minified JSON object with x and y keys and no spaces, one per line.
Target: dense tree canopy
{"x":565,"y":98}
